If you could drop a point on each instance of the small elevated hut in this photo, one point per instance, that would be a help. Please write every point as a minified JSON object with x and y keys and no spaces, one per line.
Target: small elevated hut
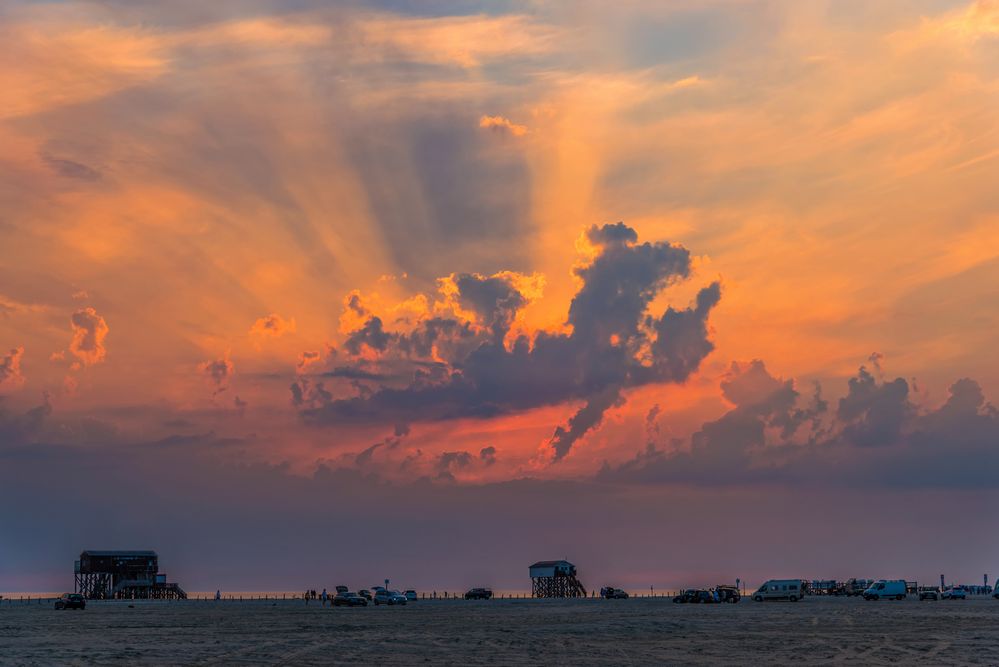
{"x":107,"y":575}
{"x":555,"y":579}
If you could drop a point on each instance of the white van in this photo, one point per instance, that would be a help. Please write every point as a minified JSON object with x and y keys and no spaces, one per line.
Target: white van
{"x":780,"y":589}
{"x":890,"y":590}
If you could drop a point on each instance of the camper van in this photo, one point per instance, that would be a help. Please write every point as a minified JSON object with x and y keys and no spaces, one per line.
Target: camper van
{"x":889,"y":590}
{"x":780,"y":589}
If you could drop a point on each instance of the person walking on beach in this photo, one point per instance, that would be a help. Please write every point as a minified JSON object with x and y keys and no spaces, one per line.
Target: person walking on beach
{"x":324,"y":597}
{"x":218,"y":593}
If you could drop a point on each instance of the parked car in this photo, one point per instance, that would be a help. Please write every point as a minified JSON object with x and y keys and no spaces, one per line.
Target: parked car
{"x":71,"y":601}
{"x":411,"y":596}
{"x":929,"y":593}
{"x":955,"y":593}
{"x":614,"y":593}
{"x":894,"y":589}
{"x":364,"y":593}
{"x":780,"y":589}
{"x":478,"y":594}
{"x":693,"y":596}
{"x":349,"y":599}
{"x":728,"y":593}
{"x":342,"y":589}
{"x":384,"y":596}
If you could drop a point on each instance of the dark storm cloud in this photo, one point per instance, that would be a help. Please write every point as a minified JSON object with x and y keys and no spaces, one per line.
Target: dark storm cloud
{"x":874,"y":411}
{"x":308,"y":394}
{"x":615,"y":344}
{"x":494,"y":299}
{"x":10,"y":368}
{"x":876,"y":437}
{"x":372,"y":335}
{"x":453,"y":460}
{"x":488,"y":455}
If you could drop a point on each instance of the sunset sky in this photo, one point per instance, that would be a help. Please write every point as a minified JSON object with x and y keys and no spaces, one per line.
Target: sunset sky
{"x":681,"y":291}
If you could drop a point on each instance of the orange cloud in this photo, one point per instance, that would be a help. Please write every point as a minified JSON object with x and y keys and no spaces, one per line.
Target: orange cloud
{"x":502,"y":125}
{"x":273,"y":325}
{"x":10,"y":369}
{"x":466,"y":41}
{"x":89,"y":332}
{"x":71,"y":64}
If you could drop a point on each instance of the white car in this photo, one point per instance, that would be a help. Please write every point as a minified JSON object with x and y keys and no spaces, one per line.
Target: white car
{"x":954,"y":593}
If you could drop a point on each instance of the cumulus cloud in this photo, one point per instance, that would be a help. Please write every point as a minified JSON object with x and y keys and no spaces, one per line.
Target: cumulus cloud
{"x":502,"y":125}
{"x":457,"y":365}
{"x":874,"y":412}
{"x":306,"y":359}
{"x":448,"y":463}
{"x":89,"y":332}
{"x":273,"y":326}
{"x":218,"y":372}
{"x":652,"y":429}
{"x":488,"y":455}
{"x":10,"y":369}
{"x":309,"y":395}
{"x":876,"y":436}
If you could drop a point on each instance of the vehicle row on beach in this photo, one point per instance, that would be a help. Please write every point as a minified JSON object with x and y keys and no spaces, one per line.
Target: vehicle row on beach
{"x":718,"y":594}
{"x":951,"y":593}
{"x":792,"y":590}
{"x":882,"y":589}
{"x":379,"y":595}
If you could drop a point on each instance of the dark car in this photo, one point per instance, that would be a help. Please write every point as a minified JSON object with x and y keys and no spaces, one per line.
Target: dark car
{"x":611,"y":593}
{"x":728,"y":594}
{"x":479,"y":594}
{"x":384,"y":596}
{"x":71,"y":601}
{"x":692,"y":595}
{"x":364,"y":593}
{"x":349,"y":599}
{"x":929,"y":593}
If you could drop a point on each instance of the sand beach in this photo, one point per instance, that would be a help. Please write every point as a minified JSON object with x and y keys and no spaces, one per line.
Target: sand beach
{"x":815,"y":631}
